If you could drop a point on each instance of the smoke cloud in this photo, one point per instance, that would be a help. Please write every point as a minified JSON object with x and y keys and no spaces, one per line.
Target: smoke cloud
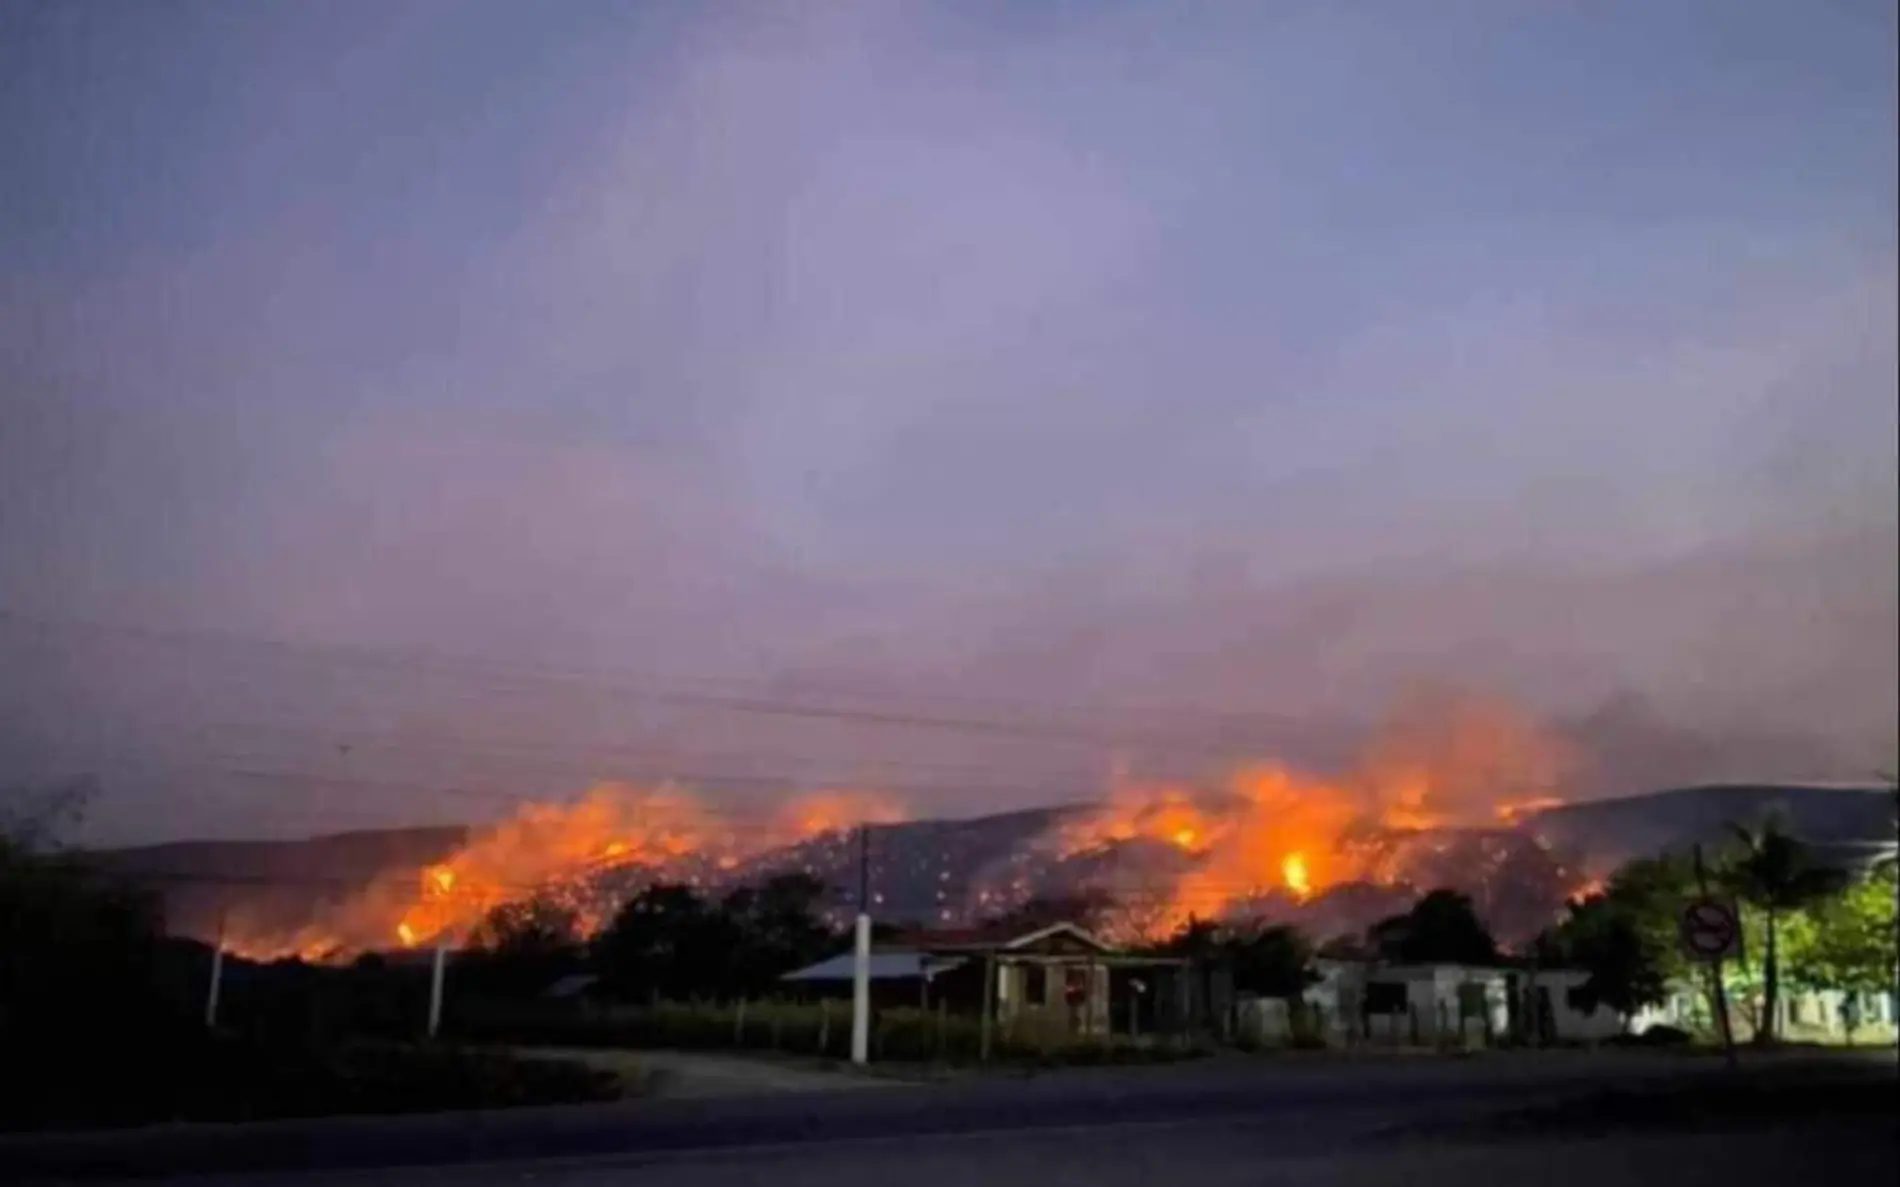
{"x":1228,"y":376}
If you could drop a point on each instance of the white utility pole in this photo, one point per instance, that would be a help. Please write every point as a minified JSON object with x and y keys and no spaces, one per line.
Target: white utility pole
{"x":435,"y":986}
{"x":861,"y":962}
{"x":217,"y":977}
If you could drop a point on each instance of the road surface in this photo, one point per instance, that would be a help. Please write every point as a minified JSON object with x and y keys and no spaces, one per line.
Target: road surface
{"x":1220,"y":1153}
{"x":1254,"y":1121}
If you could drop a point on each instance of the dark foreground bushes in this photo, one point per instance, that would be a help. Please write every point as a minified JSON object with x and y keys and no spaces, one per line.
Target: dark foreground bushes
{"x":229,"y":1078}
{"x":102,"y":1022}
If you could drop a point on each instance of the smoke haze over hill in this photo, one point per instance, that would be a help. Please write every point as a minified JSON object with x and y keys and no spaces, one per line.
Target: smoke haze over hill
{"x":1167,"y":389}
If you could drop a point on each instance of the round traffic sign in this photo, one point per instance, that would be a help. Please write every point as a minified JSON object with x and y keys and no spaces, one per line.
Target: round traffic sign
{"x":1710,"y":929}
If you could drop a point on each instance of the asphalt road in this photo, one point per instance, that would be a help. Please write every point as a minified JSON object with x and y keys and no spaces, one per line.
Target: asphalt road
{"x":1243,"y":1121}
{"x":1220,"y":1153}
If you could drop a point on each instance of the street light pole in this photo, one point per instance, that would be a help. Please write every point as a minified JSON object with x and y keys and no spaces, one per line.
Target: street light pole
{"x":861,"y":961}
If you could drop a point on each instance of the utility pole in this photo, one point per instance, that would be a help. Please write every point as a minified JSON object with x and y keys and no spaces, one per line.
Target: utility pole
{"x":861,"y":963}
{"x":1715,"y":969}
{"x":989,"y":1002}
{"x":435,"y":985}
{"x":217,"y":977}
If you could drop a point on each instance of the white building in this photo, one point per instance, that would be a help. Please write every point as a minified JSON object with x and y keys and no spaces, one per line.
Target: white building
{"x":1429,"y":1005}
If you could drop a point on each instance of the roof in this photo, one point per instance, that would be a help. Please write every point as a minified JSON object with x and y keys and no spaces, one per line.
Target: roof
{"x":885,"y":966}
{"x":572,"y":985}
{"x":995,"y":939}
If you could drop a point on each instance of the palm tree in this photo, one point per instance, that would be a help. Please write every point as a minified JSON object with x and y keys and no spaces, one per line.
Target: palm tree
{"x":1773,"y":873}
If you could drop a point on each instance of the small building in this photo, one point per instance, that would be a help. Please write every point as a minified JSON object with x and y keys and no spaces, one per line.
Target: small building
{"x":1057,"y":978}
{"x":1054,"y":977}
{"x":1412,"y":1003}
{"x":1366,"y":1001}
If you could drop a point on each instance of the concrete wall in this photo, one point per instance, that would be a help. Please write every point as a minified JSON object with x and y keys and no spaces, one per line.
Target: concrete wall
{"x":1568,"y":1021}
{"x":1452,"y":1002}
{"x":1432,"y":1007}
{"x":1441,"y":1003}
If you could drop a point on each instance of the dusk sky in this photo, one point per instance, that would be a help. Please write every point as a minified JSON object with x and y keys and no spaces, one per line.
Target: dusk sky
{"x":1042,"y":359}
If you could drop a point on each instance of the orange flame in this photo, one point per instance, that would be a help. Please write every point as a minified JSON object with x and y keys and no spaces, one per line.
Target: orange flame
{"x":1588,"y":890}
{"x":552,"y":849}
{"x":1293,"y":872}
{"x":1263,"y":832}
{"x":1514,"y":811}
{"x":1271,"y":831}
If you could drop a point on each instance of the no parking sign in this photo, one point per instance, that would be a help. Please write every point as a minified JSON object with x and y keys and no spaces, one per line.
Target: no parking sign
{"x":1710,"y":930}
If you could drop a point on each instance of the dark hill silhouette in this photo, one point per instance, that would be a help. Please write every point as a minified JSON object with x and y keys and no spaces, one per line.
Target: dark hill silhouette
{"x":952,"y":871}
{"x":1843,"y":822}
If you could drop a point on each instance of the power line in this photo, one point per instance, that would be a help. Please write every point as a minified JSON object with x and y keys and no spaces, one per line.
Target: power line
{"x":434,"y":659}
{"x":617,"y":683}
{"x":349,"y":741}
{"x":241,"y":766}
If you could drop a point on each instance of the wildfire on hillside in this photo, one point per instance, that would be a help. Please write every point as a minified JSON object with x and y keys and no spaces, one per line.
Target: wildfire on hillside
{"x":1439,"y":770}
{"x":1431,"y":803}
{"x":565,"y":852}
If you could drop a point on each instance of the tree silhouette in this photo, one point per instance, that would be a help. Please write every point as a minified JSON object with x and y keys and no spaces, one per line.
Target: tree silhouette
{"x":668,"y":940}
{"x":1272,"y":962}
{"x":777,"y":927}
{"x":1085,"y":908}
{"x":1200,"y":941}
{"x":521,"y":948}
{"x":1773,"y":872}
{"x":536,"y":927}
{"x":1604,"y":936}
{"x":1441,"y":928}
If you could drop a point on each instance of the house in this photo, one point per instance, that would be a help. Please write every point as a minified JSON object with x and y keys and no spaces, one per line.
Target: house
{"x":1056,"y":977}
{"x":1418,"y":1003}
{"x":1368,"y":1001}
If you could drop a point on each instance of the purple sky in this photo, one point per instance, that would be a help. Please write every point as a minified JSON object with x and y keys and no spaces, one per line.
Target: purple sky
{"x":1251,"y":358}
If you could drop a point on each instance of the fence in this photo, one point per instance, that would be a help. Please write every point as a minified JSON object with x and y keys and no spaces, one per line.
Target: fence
{"x":1276,"y":1022}
{"x":819,"y":1029}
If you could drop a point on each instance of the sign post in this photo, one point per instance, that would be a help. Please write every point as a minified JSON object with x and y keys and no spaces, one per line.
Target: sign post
{"x":1711,"y":931}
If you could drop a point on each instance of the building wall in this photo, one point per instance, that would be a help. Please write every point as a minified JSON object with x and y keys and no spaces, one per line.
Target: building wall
{"x":1437,"y":995}
{"x":1432,"y":994}
{"x":1014,"y":1008}
{"x":1568,"y":1020}
{"x":1423,"y":1003}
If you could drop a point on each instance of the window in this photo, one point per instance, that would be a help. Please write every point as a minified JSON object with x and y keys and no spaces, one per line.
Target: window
{"x":1386,"y":997}
{"x":1473,"y":1001}
{"x":1035,"y":985}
